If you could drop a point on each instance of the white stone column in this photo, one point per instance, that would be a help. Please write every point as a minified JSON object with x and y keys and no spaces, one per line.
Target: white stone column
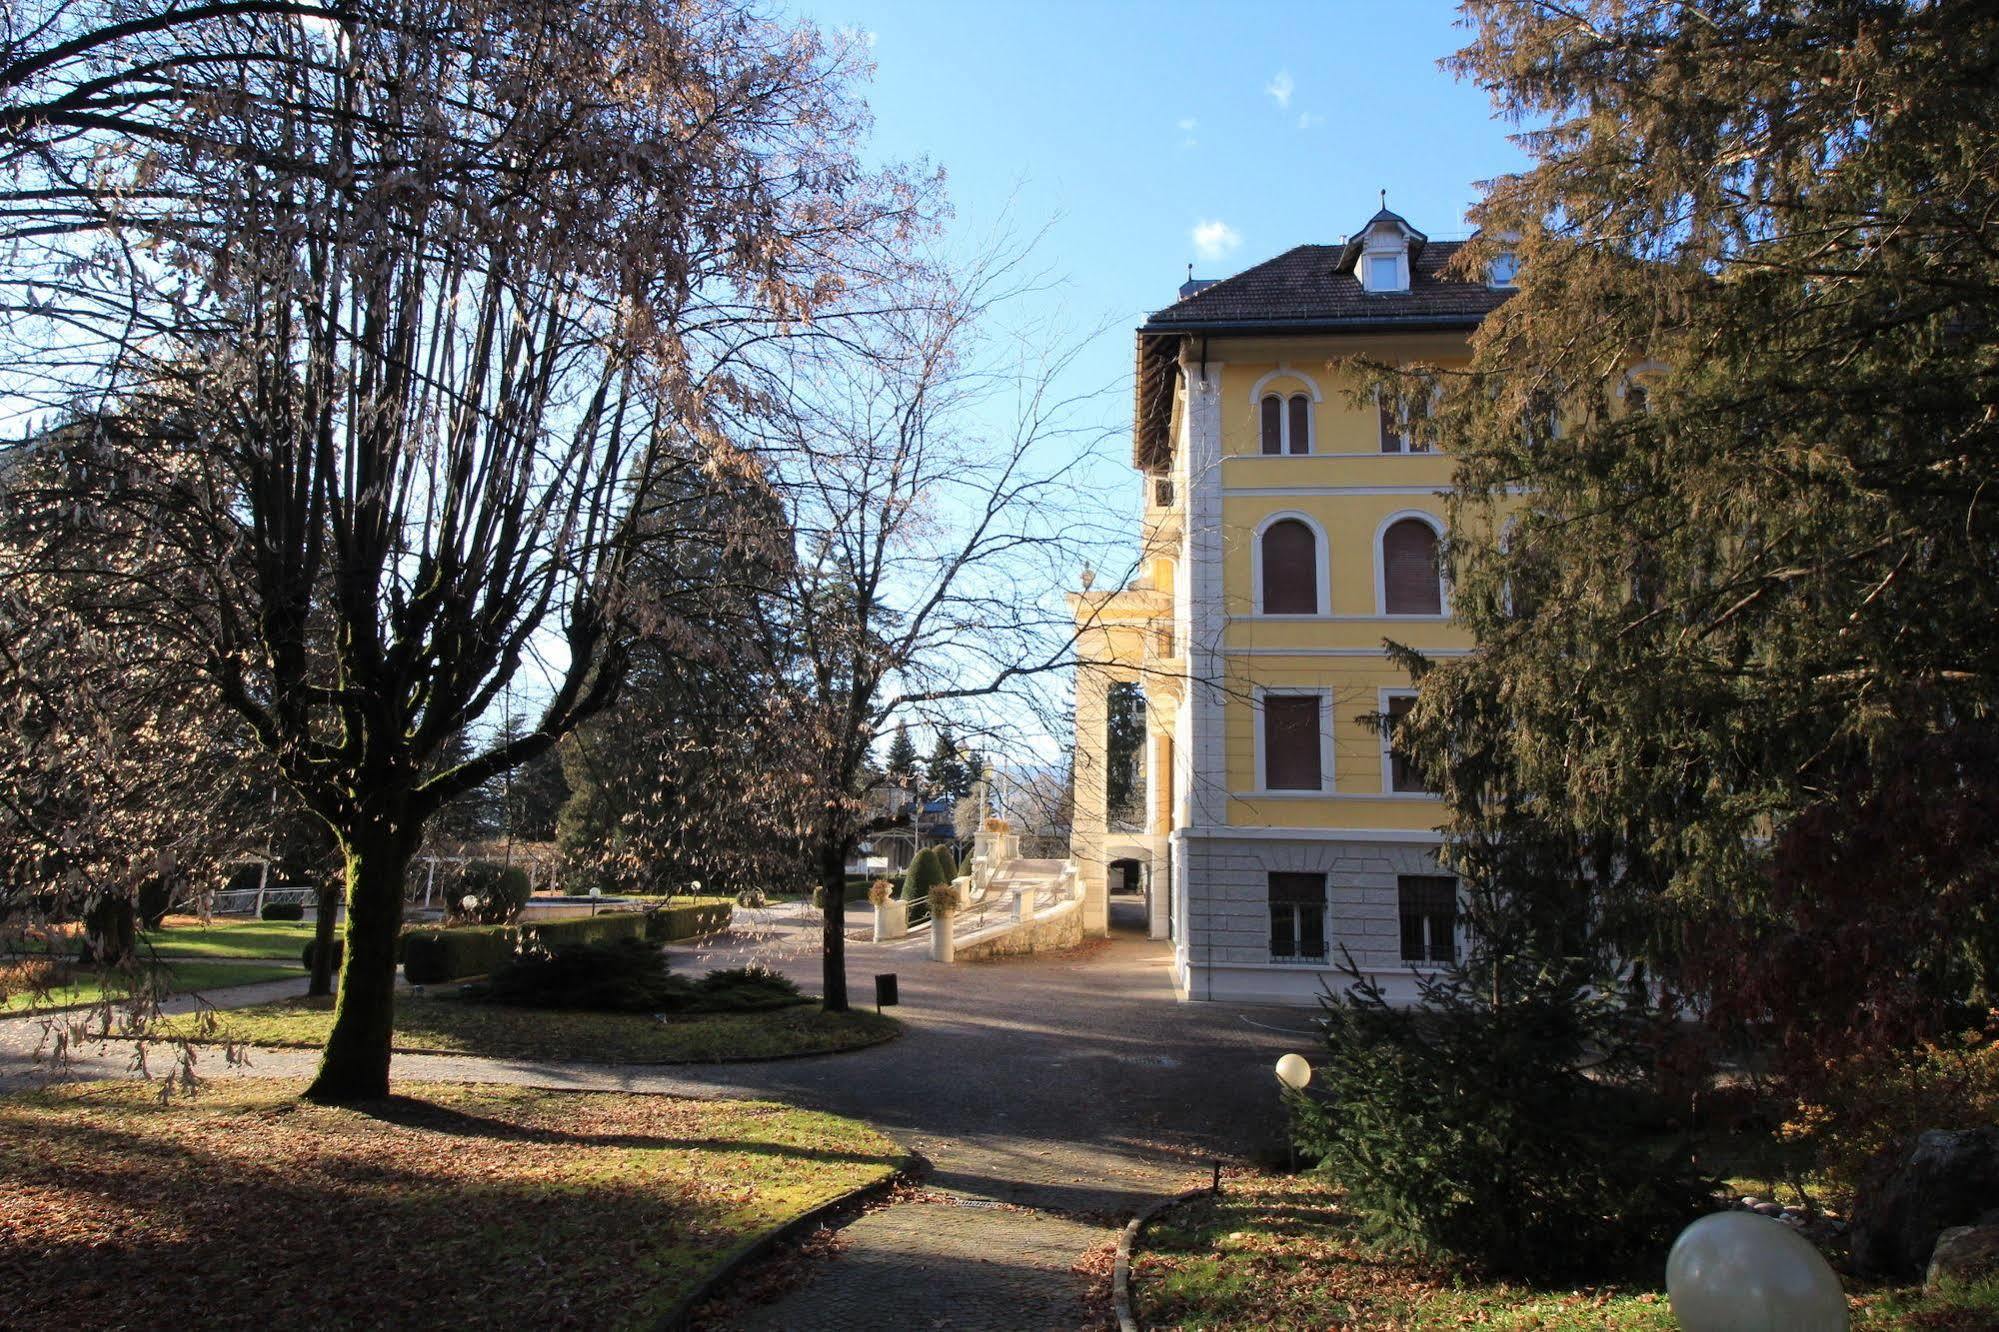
{"x":1090,"y":818}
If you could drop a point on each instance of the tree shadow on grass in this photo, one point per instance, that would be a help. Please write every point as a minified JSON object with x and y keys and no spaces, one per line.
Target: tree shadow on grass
{"x":415,"y":1113}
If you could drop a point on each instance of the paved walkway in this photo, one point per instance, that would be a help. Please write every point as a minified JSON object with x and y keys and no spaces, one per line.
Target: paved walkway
{"x":1072,"y":1085}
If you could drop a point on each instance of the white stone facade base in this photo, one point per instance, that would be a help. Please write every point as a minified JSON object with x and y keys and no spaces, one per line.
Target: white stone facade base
{"x":943,"y":947}
{"x":1223,"y":952}
{"x":891,"y":920}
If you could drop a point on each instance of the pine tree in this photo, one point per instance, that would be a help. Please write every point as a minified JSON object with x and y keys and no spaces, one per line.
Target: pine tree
{"x":901,"y":769}
{"x":1751,"y":380}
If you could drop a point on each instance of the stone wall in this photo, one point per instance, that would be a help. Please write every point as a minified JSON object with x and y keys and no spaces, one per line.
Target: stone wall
{"x":1227,"y":944}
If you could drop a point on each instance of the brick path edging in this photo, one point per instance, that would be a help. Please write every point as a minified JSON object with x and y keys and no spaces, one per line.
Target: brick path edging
{"x":1121,"y":1269}
{"x":681,"y":1316}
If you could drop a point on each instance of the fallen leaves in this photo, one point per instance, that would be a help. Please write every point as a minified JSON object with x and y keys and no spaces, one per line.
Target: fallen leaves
{"x":445,"y":1206}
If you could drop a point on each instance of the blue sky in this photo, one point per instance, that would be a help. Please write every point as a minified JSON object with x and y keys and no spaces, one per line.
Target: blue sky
{"x":1130,"y":127}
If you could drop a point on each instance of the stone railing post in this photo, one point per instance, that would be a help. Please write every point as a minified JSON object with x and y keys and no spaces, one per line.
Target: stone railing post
{"x":943,"y":946}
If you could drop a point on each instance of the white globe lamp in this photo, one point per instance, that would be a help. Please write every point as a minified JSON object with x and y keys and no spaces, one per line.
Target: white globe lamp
{"x":1294,"y":1072}
{"x":1740,"y":1272}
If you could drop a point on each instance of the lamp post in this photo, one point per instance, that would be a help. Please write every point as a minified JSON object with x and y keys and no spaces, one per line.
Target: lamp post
{"x":595,"y":893}
{"x":1293,"y":1072}
{"x":1740,"y":1272}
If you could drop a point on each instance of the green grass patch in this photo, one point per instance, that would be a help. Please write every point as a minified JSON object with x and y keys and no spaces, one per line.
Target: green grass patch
{"x":1278,"y":1251}
{"x":88,"y":986}
{"x":444,"y":1206}
{"x":233,"y":938}
{"x":445,"y":1024}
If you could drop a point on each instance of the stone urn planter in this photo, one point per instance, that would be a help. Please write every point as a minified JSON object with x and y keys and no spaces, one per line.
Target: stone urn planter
{"x":944,"y":902}
{"x":891,"y":920}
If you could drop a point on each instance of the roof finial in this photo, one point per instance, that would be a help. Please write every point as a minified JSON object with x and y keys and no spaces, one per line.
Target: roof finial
{"x":1384,"y":201}
{"x":1190,"y":270}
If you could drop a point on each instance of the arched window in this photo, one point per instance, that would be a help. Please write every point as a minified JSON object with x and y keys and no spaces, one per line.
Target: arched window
{"x":1290,"y":560}
{"x":1411,"y":574}
{"x":1287,"y":425}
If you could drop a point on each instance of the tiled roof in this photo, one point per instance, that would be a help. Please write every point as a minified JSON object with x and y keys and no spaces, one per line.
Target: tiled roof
{"x":1302,"y":288}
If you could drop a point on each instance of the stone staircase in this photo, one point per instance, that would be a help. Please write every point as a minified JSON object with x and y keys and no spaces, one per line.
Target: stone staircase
{"x":1037,"y":884}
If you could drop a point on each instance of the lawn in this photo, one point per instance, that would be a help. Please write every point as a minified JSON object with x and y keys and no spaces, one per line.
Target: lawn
{"x":1278,"y":1251}
{"x":87,"y":986}
{"x":443,"y":1024}
{"x":445,"y":1206}
{"x":232,"y":938}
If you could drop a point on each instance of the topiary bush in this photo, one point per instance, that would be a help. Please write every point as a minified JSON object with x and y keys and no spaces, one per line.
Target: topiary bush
{"x":924,"y":873}
{"x":312,"y":945}
{"x":283,"y":911}
{"x":947,"y":862}
{"x":1500,"y":1122}
{"x":501,"y":891}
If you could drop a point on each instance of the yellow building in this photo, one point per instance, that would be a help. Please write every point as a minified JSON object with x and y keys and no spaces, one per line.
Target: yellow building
{"x":1287,"y":532}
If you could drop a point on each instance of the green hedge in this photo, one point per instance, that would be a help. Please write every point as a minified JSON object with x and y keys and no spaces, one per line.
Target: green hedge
{"x":432,"y":956}
{"x":685,"y":920}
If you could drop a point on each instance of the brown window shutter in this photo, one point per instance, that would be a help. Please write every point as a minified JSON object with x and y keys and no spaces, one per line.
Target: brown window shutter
{"x":1391,"y":439}
{"x":1409,"y":569}
{"x":1402,"y":774}
{"x":1273,"y":424}
{"x":1301,"y":424}
{"x":1290,"y":569}
{"x":1291,"y":742}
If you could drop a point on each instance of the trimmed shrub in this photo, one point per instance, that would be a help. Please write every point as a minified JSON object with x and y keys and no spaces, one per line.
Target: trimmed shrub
{"x":620,"y":976}
{"x":283,"y":911}
{"x":339,"y":951}
{"x":686,"y":920}
{"x":431,"y":957}
{"x":923,"y":874}
{"x":752,"y":897}
{"x":947,"y":862}
{"x":501,"y":890}
{"x":588,"y":929}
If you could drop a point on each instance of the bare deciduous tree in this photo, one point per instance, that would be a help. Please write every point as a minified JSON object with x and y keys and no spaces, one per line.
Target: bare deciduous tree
{"x":430,"y":290}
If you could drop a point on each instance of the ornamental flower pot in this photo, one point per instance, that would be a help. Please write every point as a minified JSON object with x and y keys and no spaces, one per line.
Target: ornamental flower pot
{"x":891,"y":920}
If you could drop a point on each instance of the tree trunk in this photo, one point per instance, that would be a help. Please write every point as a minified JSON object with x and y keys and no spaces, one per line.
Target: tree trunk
{"x":322,"y":939}
{"x":355,"y":1064}
{"x":110,"y":932}
{"x":833,"y":948}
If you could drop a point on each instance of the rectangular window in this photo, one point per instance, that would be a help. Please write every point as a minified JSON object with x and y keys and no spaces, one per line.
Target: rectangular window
{"x":1162,"y":492}
{"x":1391,"y":430}
{"x":1298,"y":916}
{"x":1384,"y":273}
{"x":1291,"y":742}
{"x":1300,"y":423}
{"x":1273,"y":424}
{"x":1403,"y":774}
{"x":1429,"y":909}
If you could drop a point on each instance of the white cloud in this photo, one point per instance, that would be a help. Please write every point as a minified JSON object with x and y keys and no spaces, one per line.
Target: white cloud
{"x":1281,"y":87}
{"x":1310,"y":120}
{"x":1214,"y":239}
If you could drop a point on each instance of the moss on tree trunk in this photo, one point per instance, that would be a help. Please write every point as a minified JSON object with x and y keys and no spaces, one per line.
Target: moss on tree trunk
{"x":355,"y":1064}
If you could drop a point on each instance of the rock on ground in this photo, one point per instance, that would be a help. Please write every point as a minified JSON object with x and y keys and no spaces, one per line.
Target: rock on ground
{"x":1940,"y":1179}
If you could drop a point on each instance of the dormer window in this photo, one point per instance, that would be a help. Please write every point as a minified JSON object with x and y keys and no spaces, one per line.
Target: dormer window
{"x":1382,"y":253}
{"x":1504,"y":270}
